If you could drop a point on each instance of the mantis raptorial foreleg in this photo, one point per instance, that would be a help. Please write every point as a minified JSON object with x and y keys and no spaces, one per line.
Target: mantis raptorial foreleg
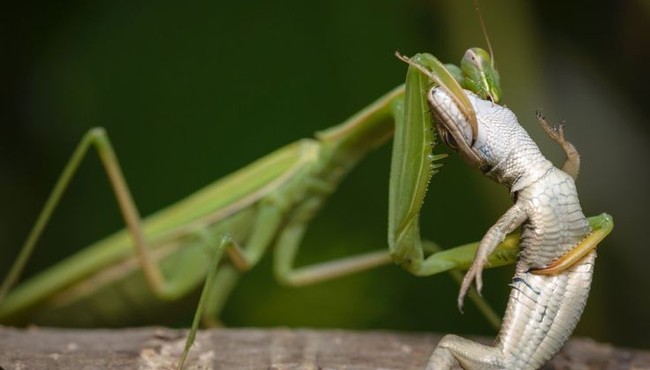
{"x":413,"y":164}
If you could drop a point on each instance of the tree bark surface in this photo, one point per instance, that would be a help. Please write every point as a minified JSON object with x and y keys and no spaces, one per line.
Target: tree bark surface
{"x":276,"y":349}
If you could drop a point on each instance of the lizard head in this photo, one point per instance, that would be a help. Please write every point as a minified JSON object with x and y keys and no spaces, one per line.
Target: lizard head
{"x":482,"y":148}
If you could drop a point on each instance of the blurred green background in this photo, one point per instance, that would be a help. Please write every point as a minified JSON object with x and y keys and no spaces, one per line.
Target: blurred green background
{"x":190,"y":92}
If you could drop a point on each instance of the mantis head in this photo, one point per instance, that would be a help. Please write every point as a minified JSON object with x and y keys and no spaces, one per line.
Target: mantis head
{"x":479,"y":74}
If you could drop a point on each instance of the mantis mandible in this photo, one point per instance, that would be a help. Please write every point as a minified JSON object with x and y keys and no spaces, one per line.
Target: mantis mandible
{"x":224,"y":229}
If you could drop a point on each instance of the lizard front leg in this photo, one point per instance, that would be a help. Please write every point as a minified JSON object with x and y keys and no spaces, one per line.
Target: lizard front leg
{"x":506,"y":224}
{"x":556,"y":132}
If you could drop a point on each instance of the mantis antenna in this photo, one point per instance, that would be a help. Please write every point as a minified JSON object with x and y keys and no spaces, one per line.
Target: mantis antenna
{"x":485,"y":33}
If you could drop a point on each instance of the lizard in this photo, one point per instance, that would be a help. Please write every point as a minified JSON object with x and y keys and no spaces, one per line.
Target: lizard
{"x":544,"y":307}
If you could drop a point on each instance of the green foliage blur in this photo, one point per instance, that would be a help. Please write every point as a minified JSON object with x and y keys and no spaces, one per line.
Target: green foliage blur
{"x":189,"y":92}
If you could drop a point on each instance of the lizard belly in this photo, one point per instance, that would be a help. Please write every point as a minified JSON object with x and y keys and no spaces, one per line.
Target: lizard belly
{"x":542,"y":313}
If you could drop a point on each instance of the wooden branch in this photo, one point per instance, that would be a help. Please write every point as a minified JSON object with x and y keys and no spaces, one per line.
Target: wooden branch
{"x":276,"y":349}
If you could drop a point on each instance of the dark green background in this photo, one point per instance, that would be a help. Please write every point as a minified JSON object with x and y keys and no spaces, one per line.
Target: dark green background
{"x":190,"y":92}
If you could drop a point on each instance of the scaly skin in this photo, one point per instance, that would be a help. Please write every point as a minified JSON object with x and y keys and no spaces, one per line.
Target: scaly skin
{"x":542,"y":310}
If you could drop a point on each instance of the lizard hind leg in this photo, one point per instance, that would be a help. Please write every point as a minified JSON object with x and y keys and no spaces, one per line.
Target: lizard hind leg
{"x":470,"y":355}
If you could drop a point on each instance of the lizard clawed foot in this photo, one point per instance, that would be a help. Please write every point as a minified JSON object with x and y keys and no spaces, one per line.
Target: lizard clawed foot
{"x":555,"y":132}
{"x":475,"y":273}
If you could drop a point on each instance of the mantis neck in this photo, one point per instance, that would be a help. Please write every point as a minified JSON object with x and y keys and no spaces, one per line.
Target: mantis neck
{"x":365,"y":131}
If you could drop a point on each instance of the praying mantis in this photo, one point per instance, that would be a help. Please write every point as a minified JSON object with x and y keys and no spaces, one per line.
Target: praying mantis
{"x":273,"y":199}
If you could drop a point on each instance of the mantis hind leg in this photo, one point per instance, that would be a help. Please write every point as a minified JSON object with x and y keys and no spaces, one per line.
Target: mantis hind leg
{"x":98,"y":139}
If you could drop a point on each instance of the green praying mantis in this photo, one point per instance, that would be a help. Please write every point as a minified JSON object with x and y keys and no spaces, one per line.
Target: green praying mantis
{"x":223,"y":230}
